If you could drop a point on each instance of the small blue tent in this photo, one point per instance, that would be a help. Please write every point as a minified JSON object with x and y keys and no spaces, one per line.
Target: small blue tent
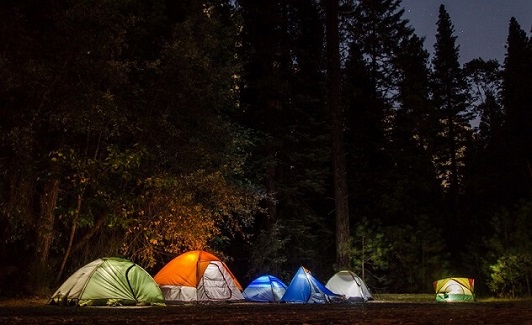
{"x":304,"y":288}
{"x":266,"y":288}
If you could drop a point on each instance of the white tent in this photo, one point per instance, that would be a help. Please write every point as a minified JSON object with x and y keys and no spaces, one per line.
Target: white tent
{"x":350,"y":285}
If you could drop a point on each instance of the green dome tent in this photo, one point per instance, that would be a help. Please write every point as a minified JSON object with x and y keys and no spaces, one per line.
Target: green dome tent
{"x":108,"y":281}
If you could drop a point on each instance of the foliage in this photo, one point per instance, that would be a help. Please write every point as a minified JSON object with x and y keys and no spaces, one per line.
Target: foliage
{"x":271,"y":258}
{"x":414,"y":254}
{"x":121,"y":149}
{"x":370,"y":249}
{"x":282,"y":96}
{"x":379,"y":29}
{"x":516,"y":96}
{"x":451,"y":101}
{"x":176,"y":214}
{"x":146,"y":128}
{"x":484,"y":79}
{"x":510,"y":261}
{"x":510,"y":276}
{"x":453,"y":135}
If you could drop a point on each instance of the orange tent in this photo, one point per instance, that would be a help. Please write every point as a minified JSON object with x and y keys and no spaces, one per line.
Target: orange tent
{"x":198,"y":276}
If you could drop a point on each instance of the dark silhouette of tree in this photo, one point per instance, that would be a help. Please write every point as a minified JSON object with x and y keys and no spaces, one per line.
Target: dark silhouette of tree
{"x":508,"y":194}
{"x":376,"y":31}
{"x":110,"y":151}
{"x":379,"y":30}
{"x":483,"y":173}
{"x":413,"y":133}
{"x":147,"y":128}
{"x":516,"y":97}
{"x":484,"y":79}
{"x":55,"y":76}
{"x":449,"y":95}
{"x":282,"y":97}
{"x":337,"y":127}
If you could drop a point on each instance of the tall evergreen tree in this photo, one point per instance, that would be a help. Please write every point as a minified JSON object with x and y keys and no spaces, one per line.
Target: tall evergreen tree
{"x":376,"y":30}
{"x":449,"y":95}
{"x":364,"y":137}
{"x":282,"y":97}
{"x":498,"y":169}
{"x":414,"y":132}
{"x":337,"y":127}
{"x":416,"y":198}
{"x":379,"y":29}
{"x":508,"y":262}
{"x":484,"y":79}
{"x":516,"y":96}
{"x":390,"y":137}
{"x":483,"y":172}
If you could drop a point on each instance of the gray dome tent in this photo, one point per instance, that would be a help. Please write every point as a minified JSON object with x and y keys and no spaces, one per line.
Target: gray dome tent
{"x":350,"y":285}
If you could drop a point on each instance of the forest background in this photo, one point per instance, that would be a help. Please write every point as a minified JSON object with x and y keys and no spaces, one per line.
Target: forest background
{"x":144,"y":129}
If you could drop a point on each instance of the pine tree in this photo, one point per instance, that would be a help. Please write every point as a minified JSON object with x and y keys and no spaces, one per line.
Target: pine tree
{"x":385,"y":96}
{"x":508,"y":258}
{"x":413,"y":135}
{"x":378,"y":27}
{"x":484,"y":79}
{"x":337,"y":126}
{"x":283,"y":98}
{"x":517,"y":96}
{"x":376,"y":31}
{"x":375,"y":70}
{"x":449,"y":96}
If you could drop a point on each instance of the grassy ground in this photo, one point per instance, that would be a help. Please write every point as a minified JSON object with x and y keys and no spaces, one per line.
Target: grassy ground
{"x":405,"y":297}
{"x":386,"y":309}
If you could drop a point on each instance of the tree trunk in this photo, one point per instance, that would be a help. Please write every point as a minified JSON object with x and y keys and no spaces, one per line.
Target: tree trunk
{"x":271,"y":203}
{"x":71,"y":238}
{"x":48,"y":203}
{"x":337,"y":121}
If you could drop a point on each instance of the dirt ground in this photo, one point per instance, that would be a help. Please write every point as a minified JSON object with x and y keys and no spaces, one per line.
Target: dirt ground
{"x":374,"y":312}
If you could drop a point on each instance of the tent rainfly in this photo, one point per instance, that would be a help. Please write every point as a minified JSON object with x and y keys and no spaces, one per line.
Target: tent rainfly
{"x":350,"y":285}
{"x":304,"y":288}
{"x":198,"y":276}
{"x":108,"y":281}
{"x":455,"y":289}
{"x":266,"y":288}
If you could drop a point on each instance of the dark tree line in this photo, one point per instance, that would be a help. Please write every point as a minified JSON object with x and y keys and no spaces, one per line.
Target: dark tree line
{"x":275,"y":133}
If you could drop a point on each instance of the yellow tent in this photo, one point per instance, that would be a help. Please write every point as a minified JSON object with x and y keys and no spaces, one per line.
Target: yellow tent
{"x":198,"y":276}
{"x":455,"y":289}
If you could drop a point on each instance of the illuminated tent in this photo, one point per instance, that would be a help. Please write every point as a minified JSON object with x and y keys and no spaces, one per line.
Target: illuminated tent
{"x":198,"y":276}
{"x":455,"y":289}
{"x":304,"y":288}
{"x":351,"y":286}
{"x":108,"y":281}
{"x":266,"y":288}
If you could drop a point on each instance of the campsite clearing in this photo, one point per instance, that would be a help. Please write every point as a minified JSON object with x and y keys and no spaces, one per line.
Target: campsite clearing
{"x":375,"y":312}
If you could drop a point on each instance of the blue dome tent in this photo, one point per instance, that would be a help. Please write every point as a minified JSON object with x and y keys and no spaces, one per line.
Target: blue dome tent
{"x":266,"y":288}
{"x":304,"y":288}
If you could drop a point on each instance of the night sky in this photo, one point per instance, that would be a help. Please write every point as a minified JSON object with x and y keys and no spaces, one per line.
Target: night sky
{"x":480,"y":25}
